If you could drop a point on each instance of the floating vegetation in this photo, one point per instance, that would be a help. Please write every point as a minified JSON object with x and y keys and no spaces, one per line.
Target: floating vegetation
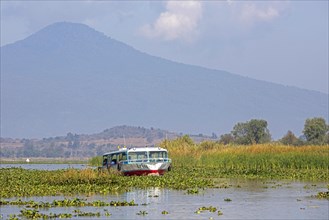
{"x":80,"y":213}
{"x":142,"y":213}
{"x":13,"y":217}
{"x":67,"y":203}
{"x":204,"y":208}
{"x":164,"y":212}
{"x":227,"y":200}
{"x":209,"y":208}
{"x":107,"y":213}
{"x":18,"y":182}
{"x":192,"y":191}
{"x":154,"y":196}
{"x":323,"y":195}
{"x":35,"y":214}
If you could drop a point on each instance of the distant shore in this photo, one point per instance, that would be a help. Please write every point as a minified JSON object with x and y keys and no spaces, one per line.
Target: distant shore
{"x":44,"y":160}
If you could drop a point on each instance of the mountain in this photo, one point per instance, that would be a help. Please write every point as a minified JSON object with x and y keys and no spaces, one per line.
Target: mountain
{"x":89,"y":145}
{"x":68,"y":77}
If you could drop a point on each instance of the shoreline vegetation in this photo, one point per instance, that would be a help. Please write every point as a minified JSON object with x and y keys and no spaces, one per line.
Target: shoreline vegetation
{"x":195,"y":166}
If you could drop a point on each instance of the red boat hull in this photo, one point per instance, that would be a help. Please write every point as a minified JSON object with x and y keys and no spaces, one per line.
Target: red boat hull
{"x":144,"y":172}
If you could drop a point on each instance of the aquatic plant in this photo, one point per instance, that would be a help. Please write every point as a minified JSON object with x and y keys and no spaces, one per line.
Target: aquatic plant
{"x":142,"y":213}
{"x":17,"y":182}
{"x":35,"y":214}
{"x":193,"y":191}
{"x":13,"y":217}
{"x":76,"y":202}
{"x":86,"y":214}
{"x":323,"y":195}
{"x":204,"y":208}
{"x":107,"y":213}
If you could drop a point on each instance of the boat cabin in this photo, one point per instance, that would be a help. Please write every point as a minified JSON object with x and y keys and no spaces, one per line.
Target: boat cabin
{"x":138,"y":160}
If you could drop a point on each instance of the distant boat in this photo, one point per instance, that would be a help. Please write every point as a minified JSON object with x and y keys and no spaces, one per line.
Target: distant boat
{"x":138,"y":161}
{"x":27,"y":160}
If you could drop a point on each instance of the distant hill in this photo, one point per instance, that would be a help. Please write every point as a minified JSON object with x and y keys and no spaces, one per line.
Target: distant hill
{"x":68,"y":77}
{"x":89,"y":145}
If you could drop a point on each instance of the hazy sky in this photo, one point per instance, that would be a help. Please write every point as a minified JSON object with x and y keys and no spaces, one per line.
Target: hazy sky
{"x":278,"y":41}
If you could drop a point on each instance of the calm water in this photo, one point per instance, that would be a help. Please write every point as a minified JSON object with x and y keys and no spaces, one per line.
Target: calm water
{"x":45,"y":166}
{"x":250,"y":199}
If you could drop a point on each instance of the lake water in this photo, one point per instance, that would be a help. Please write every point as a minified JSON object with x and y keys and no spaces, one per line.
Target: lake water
{"x":31,"y":166}
{"x":250,"y":199}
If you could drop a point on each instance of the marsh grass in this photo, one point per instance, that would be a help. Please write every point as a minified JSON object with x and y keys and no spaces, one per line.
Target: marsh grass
{"x":213,"y":160}
{"x":266,"y":160}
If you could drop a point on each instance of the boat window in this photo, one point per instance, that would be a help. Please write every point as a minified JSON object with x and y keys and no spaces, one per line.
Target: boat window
{"x":124,"y":156}
{"x":138,"y":156}
{"x":113,"y":158}
{"x":158,"y":154}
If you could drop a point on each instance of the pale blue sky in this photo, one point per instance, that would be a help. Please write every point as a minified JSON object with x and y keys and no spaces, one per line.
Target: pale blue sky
{"x":278,"y":41}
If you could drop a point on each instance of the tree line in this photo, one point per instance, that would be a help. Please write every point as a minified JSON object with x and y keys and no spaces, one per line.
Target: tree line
{"x":255,"y":131}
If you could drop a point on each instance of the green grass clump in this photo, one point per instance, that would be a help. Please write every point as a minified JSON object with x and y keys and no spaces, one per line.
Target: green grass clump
{"x":96,"y":161}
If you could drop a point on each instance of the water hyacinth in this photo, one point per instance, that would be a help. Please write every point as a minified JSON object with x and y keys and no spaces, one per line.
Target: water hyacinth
{"x":76,"y":202}
{"x":18,"y":182}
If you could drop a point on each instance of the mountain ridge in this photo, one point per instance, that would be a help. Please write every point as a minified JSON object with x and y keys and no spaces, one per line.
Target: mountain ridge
{"x":105,"y":83}
{"x":105,"y":37}
{"x":89,"y":145}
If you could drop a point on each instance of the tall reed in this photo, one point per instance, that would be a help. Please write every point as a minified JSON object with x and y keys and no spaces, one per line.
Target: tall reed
{"x":259,"y":160}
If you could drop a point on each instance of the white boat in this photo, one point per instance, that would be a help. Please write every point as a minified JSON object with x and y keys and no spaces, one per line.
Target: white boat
{"x":138,"y":161}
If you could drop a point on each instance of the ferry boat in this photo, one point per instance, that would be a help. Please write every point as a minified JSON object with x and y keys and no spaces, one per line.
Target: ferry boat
{"x":138,"y":161}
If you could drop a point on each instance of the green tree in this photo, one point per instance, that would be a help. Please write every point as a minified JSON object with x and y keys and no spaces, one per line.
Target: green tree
{"x":213,"y":136}
{"x":240,"y":133}
{"x":326,"y":139}
{"x":290,"y":139}
{"x":226,"y":139}
{"x":315,"y":130}
{"x":254,"y":131}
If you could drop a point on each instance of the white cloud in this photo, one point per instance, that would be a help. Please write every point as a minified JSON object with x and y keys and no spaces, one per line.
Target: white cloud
{"x":179,"y":21}
{"x":250,"y":13}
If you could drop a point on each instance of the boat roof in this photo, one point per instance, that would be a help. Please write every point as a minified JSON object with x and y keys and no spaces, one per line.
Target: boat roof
{"x":136,"y":149}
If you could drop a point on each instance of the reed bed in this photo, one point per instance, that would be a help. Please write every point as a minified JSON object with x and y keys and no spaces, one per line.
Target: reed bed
{"x":262,"y":161}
